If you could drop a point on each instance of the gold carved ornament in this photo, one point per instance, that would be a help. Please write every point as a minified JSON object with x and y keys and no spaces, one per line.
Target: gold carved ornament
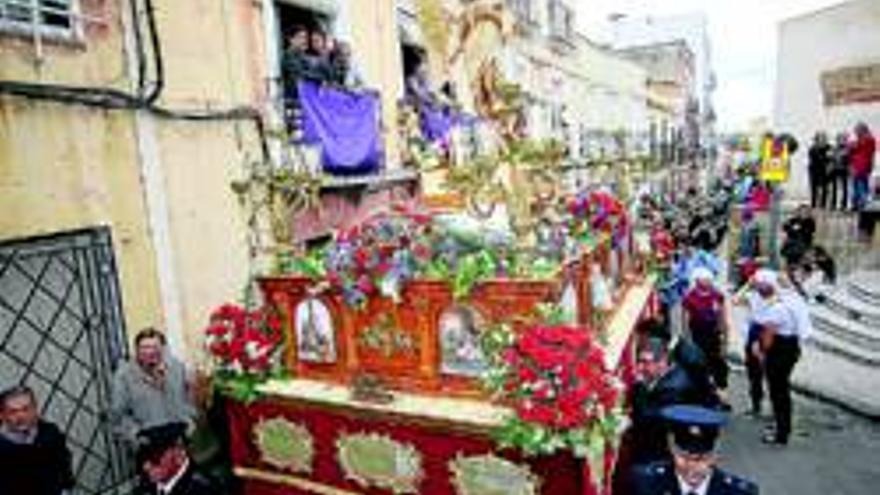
{"x":384,"y":336}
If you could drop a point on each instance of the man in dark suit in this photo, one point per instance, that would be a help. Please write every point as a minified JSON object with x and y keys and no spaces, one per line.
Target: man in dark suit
{"x":34,"y":458}
{"x":660,"y":383}
{"x":166,"y":465}
{"x":693,"y":470}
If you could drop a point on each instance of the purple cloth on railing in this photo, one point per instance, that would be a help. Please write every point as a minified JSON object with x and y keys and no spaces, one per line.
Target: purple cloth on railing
{"x":345,"y":124}
{"x":436,"y":124}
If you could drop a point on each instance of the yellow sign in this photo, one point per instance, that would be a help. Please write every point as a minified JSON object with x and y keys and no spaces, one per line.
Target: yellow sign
{"x":774,"y":161}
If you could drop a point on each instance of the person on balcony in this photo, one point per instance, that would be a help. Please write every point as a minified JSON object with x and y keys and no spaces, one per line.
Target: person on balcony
{"x":153,"y":389}
{"x":318,"y":57}
{"x":34,"y":453}
{"x":344,"y":73}
{"x":418,"y":88}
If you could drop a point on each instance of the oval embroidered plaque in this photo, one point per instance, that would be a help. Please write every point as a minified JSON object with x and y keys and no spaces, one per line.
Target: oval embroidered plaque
{"x":285,"y":445}
{"x":377,"y":461}
{"x":491,"y":475}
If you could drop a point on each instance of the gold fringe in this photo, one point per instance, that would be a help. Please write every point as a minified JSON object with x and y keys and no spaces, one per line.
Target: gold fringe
{"x":289,"y":480}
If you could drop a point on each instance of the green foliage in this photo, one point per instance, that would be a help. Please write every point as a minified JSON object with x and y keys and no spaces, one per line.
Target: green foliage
{"x":472,"y":268}
{"x":534,"y":439}
{"x":310,"y":265}
{"x":553,"y":314}
{"x":243,"y":387}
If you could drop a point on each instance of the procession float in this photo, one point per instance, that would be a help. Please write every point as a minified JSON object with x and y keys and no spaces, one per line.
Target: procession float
{"x":478,"y":341}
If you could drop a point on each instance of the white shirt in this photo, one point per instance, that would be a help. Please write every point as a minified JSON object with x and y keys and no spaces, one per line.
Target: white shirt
{"x":755,"y":303}
{"x":165,"y":488}
{"x":701,"y":489}
{"x":780,"y":316}
{"x":801,"y":311}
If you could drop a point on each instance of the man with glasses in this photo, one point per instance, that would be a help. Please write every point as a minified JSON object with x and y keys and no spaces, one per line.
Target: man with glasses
{"x":693,"y":470}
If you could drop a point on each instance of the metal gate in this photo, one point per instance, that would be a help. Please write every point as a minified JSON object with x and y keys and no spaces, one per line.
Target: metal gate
{"x":62,"y":333}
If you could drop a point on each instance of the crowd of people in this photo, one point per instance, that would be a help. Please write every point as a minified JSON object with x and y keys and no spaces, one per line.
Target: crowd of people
{"x":312,"y":55}
{"x":682,"y":357}
{"x":153,"y":414}
{"x":837,"y":168}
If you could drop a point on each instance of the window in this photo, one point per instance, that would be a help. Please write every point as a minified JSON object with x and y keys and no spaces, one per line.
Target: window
{"x":560,"y":20}
{"x":44,"y":17}
{"x":523,"y":11}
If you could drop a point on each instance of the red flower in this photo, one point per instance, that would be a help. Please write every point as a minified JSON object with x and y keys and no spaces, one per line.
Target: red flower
{"x":361,"y":257}
{"x":557,"y":377}
{"x":365,"y":285}
{"x":273,"y":322}
{"x":217,"y":330}
{"x":219,"y":349}
{"x":383,"y":267}
{"x":422,"y":251}
{"x":421,"y":218}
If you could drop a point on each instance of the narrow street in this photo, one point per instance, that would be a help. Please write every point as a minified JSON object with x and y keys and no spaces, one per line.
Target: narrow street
{"x":832,"y":452}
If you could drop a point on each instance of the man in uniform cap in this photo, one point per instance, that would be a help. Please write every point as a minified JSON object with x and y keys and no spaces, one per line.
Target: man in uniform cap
{"x":693,"y":472}
{"x":166,"y":465}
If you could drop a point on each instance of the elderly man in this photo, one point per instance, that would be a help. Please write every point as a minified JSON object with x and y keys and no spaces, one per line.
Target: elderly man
{"x":153,"y":390}
{"x":34,"y":458}
{"x":693,"y":470}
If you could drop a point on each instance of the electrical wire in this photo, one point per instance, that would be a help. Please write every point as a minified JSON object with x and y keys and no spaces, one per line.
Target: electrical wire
{"x":115,"y":99}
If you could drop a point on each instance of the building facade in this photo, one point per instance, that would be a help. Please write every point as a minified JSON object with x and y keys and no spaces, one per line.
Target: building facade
{"x":136,"y":116}
{"x":691,"y":29}
{"x":828,"y":76}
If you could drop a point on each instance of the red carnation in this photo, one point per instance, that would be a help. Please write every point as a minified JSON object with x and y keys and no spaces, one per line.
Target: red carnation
{"x":217,"y":330}
{"x":421,"y":251}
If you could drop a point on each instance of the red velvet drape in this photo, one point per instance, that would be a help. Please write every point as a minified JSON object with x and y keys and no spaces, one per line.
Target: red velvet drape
{"x":438,"y":444}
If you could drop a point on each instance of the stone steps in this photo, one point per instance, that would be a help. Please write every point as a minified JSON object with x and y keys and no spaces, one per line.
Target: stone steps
{"x":854,"y":331}
{"x":854,"y":308}
{"x":838,"y":380}
{"x":831,"y":343}
{"x":865,"y":285}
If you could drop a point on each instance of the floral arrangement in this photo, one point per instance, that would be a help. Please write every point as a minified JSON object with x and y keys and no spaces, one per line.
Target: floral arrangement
{"x":562,"y":395}
{"x":597,"y":211}
{"x":379,"y":255}
{"x":243,"y":347}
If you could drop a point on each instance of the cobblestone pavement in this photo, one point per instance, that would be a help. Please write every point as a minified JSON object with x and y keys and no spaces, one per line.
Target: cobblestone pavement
{"x":831,"y":452}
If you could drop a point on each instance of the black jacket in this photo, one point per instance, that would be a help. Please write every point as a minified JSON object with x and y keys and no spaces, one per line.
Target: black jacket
{"x":648,"y":434}
{"x":191,"y":483}
{"x":819,"y":160}
{"x":660,"y":479}
{"x":40,"y":468}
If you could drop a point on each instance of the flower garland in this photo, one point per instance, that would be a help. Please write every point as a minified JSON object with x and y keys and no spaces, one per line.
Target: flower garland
{"x":562,"y":395}
{"x":243,"y":348}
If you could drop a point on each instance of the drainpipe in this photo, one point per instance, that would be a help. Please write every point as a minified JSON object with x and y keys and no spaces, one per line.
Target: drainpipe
{"x":155,"y":203}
